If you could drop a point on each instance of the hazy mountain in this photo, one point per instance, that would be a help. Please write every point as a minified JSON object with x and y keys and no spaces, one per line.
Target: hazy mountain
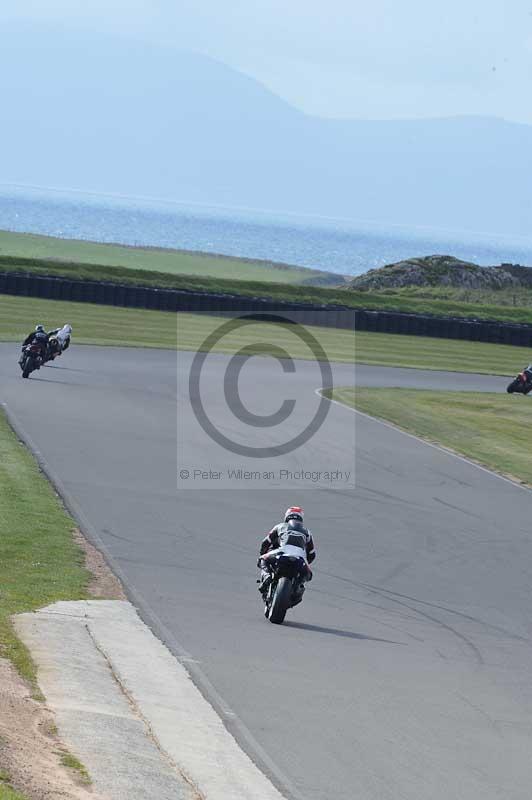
{"x":107,"y":115}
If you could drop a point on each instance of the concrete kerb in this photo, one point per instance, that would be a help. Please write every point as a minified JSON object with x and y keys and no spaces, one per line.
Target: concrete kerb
{"x":129,"y":709}
{"x":234,"y":727}
{"x":95,"y":718}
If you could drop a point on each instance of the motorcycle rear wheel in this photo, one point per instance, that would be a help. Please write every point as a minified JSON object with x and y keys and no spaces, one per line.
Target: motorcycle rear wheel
{"x":281,"y":601}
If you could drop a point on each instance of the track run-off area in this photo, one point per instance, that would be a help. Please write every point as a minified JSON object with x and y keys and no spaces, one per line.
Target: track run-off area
{"x":405,"y":672}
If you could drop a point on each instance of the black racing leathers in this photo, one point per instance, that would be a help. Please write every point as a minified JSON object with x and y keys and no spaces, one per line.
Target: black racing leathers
{"x":279,"y":535}
{"x":40,"y":338}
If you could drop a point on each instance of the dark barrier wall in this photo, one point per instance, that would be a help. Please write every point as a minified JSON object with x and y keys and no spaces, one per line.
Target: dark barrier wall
{"x":229,"y":305}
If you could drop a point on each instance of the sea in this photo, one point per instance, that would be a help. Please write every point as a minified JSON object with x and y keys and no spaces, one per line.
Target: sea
{"x":350,"y":247}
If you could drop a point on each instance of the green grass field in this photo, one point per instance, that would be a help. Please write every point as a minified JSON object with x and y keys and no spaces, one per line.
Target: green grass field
{"x":40,"y":562}
{"x":485,"y":427}
{"x":174,"y":262}
{"x":107,"y":325}
{"x":425,"y":352}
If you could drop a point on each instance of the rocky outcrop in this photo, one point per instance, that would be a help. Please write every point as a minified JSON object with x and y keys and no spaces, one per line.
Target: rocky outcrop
{"x":440,"y":270}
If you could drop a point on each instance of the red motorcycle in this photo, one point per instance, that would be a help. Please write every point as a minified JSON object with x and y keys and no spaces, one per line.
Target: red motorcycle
{"x":523,"y":383}
{"x":31,"y":359}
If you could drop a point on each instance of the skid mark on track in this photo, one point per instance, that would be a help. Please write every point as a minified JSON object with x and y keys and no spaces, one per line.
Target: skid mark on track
{"x":380,"y":495}
{"x":392,"y":598}
{"x":467,"y":617}
{"x":374,"y":619}
{"x":494,"y":723}
{"x":393,"y":573}
{"x":453,"y":611}
{"x":460,"y":510}
{"x":114,"y":535}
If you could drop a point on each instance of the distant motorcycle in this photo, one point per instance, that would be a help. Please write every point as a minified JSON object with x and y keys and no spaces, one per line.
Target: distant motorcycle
{"x":522,"y":384}
{"x":287,"y":584}
{"x":31,"y":359}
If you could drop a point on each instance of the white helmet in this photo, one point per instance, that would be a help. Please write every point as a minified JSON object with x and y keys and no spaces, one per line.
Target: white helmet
{"x":294,"y":512}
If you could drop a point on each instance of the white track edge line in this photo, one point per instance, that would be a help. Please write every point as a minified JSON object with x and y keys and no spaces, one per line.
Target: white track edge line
{"x":438,"y":447}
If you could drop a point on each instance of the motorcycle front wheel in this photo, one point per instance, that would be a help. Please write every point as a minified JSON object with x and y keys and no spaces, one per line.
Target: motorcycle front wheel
{"x":28,"y":366}
{"x":281,"y":601}
{"x":513,"y":386}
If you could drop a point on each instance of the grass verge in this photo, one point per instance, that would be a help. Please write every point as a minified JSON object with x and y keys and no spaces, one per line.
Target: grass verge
{"x":487,"y":428}
{"x":107,"y":325}
{"x":70,"y":761}
{"x":39,"y":560}
{"x":7,"y":793}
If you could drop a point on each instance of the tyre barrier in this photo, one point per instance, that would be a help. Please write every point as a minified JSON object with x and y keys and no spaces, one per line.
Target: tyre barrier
{"x":343,"y":317}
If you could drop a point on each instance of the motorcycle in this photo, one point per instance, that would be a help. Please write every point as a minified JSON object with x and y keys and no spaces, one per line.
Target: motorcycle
{"x":522,"y":384}
{"x":31,"y":359}
{"x":54,"y":349}
{"x":288,"y":574}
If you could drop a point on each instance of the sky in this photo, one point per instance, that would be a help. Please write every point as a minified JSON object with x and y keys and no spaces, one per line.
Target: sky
{"x":377,"y":59}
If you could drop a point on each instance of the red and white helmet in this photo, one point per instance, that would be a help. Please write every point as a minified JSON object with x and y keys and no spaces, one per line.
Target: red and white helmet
{"x":294,"y":512}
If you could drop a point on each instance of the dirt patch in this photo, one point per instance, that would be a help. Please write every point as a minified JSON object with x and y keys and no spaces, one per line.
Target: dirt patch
{"x":30,"y":750}
{"x":104,"y":584}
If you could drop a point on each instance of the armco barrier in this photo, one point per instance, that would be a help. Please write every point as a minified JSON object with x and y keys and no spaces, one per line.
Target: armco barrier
{"x":128,"y":296}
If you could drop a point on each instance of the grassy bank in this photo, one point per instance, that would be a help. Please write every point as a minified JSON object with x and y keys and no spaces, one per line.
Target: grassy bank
{"x":200,"y":283}
{"x":508,"y":305}
{"x":271,"y":288}
{"x":42,"y":255}
{"x":106,"y":325}
{"x":514,"y":297}
{"x":43,"y":250}
{"x":487,"y":428}
{"x":39,"y":561}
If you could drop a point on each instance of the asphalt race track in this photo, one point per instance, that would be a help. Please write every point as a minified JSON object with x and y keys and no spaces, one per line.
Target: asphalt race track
{"x":406,"y":672}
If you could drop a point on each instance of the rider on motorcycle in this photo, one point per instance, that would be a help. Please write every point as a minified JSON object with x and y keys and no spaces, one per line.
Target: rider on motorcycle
{"x":62,"y":336}
{"x":40,"y":337}
{"x":286,"y":534}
